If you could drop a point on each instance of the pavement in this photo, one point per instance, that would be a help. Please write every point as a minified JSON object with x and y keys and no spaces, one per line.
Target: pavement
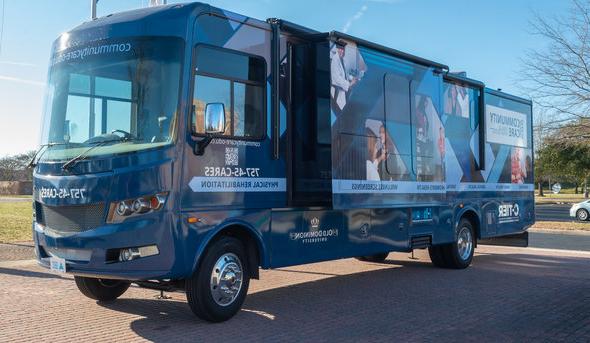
{"x":507,"y":295}
{"x":560,"y":239}
{"x":15,"y":199}
{"x":16,"y":251}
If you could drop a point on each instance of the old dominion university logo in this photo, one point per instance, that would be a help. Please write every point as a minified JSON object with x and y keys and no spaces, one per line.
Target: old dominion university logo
{"x":315,"y":234}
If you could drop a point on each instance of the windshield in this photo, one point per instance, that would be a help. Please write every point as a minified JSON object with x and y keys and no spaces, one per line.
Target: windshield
{"x":103,"y":90}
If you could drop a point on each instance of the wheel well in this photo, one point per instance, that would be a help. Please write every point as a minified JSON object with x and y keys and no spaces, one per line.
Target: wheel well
{"x":250,"y":244}
{"x":474,"y":220}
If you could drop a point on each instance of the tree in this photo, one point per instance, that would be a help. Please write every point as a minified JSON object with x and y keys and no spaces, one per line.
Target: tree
{"x":566,"y":159}
{"x":14,"y":168}
{"x":558,"y":76}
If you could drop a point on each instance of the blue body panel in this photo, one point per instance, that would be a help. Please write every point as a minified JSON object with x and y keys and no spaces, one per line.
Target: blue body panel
{"x":250,"y":189}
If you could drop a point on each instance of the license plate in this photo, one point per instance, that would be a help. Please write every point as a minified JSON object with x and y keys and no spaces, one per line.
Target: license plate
{"x":57,"y":264}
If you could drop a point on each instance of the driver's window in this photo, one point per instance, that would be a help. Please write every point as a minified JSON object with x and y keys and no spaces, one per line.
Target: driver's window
{"x":236,"y":80}
{"x":211,"y":90}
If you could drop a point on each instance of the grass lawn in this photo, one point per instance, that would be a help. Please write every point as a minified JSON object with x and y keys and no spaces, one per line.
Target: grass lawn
{"x":15,"y":221}
{"x":561,"y":197}
{"x":566,"y":195}
{"x":573,"y":225}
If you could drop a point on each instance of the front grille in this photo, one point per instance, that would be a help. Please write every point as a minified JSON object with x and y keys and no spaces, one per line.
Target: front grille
{"x":75,"y":218}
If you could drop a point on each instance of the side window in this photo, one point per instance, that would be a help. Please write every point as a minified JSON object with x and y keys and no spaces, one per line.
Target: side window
{"x":238,"y":82}
{"x":429,"y":138}
{"x":399,"y":125}
{"x":461,"y":105}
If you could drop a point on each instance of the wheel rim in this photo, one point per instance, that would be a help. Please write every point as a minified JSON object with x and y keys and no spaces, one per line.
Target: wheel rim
{"x":226,"y":279}
{"x":465,"y":243}
{"x":582,"y":215}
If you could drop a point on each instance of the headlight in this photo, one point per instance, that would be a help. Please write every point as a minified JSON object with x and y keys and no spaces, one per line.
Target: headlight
{"x":121,"y":210}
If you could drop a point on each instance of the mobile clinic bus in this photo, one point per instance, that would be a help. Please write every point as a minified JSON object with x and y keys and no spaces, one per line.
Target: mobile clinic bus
{"x":184,"y":147}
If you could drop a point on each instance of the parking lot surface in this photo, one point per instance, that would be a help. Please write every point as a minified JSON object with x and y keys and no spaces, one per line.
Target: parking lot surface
{"x":508,"y":295}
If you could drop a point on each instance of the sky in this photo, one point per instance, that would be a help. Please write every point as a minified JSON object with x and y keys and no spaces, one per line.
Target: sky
{"x":486,"y":39}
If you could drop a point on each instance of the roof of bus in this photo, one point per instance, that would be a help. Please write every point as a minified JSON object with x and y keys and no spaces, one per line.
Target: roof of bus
{"x":196,"y":8}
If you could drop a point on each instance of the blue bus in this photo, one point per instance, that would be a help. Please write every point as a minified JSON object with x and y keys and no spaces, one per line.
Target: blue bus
{"x":185,"y":146}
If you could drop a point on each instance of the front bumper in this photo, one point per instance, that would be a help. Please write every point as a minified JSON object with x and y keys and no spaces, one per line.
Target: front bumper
{"x":94,"y":253}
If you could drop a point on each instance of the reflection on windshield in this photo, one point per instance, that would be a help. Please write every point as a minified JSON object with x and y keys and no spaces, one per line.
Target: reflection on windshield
{"x":108,"y":89}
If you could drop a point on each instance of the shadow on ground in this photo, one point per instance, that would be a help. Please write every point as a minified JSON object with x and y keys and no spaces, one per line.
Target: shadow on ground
{"x":500,"y":298}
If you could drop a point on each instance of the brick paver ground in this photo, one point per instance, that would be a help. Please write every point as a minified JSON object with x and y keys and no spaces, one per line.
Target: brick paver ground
{"x":16,"y":251}
{"x":508,"y":295}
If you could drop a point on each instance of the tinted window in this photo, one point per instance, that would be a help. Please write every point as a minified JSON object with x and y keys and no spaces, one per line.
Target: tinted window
{"x":230,"y":65}
{"x":461,"y":105}
{"x":397,"y":112}
{"x":211,"y":90}
{"x":236,"y":80}
{"x":248,"y":107}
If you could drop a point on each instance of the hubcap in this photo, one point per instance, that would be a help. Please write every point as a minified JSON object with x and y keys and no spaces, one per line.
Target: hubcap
{"x":465,"y":243}
{"x":582,"y":215}
{"x":226,"y":279}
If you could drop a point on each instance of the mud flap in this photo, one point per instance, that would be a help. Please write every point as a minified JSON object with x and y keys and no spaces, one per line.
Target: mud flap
{"x":517,"y":240}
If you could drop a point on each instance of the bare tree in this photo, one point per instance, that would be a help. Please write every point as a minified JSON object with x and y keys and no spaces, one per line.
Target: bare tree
{"x":558,"y":76}
{"x":14,"y":168}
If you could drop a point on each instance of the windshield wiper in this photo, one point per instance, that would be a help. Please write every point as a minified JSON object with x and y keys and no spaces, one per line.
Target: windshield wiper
{"x":84,"y":154}
{"x":33,"y":162}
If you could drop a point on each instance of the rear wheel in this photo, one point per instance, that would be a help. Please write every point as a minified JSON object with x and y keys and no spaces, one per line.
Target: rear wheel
{"x":374,"y":258}
{"x":582,"y":214}
{"x":217,"y":290}
{"x":101,"y":289}
{"x":459,"y":254}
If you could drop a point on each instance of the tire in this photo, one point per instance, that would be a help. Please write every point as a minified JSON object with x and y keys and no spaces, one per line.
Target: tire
{"x":377,"y":258}
{"x":436,"y":256}
{"x":224,"y":265}
{"x":582,"y":215}
{"x":459,"y":254}
{"x":101,"y":289}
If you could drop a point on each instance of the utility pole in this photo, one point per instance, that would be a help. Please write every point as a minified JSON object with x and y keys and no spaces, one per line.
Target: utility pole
{"x":93,"y":9}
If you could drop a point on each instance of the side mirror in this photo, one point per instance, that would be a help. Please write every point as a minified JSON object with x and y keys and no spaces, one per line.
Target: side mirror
{"x":214,"y":118}
{"x":214,"y":124}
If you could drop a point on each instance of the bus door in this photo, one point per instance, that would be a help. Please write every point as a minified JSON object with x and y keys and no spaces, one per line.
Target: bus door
{"x":309,"y":147}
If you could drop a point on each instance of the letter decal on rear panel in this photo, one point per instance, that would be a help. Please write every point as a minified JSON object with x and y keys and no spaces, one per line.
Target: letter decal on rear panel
{"x":506,"y":127}
{"x":508,"y":213}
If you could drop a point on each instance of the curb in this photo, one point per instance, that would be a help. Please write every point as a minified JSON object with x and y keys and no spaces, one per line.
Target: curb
{"x":559,"y":252}
{"x":560,"y":231}
{"x":18,"y":263}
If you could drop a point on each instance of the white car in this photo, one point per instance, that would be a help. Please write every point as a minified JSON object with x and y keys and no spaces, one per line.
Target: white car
{"x":581,"y":210}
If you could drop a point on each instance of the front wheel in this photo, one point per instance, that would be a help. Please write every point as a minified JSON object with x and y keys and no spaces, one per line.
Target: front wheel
{"x":582,"y":215}
{"x":101,"y":289}
{"x":218,"y":288}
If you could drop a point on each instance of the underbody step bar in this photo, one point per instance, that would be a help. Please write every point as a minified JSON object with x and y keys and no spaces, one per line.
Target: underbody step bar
{"x":421,"y":242}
